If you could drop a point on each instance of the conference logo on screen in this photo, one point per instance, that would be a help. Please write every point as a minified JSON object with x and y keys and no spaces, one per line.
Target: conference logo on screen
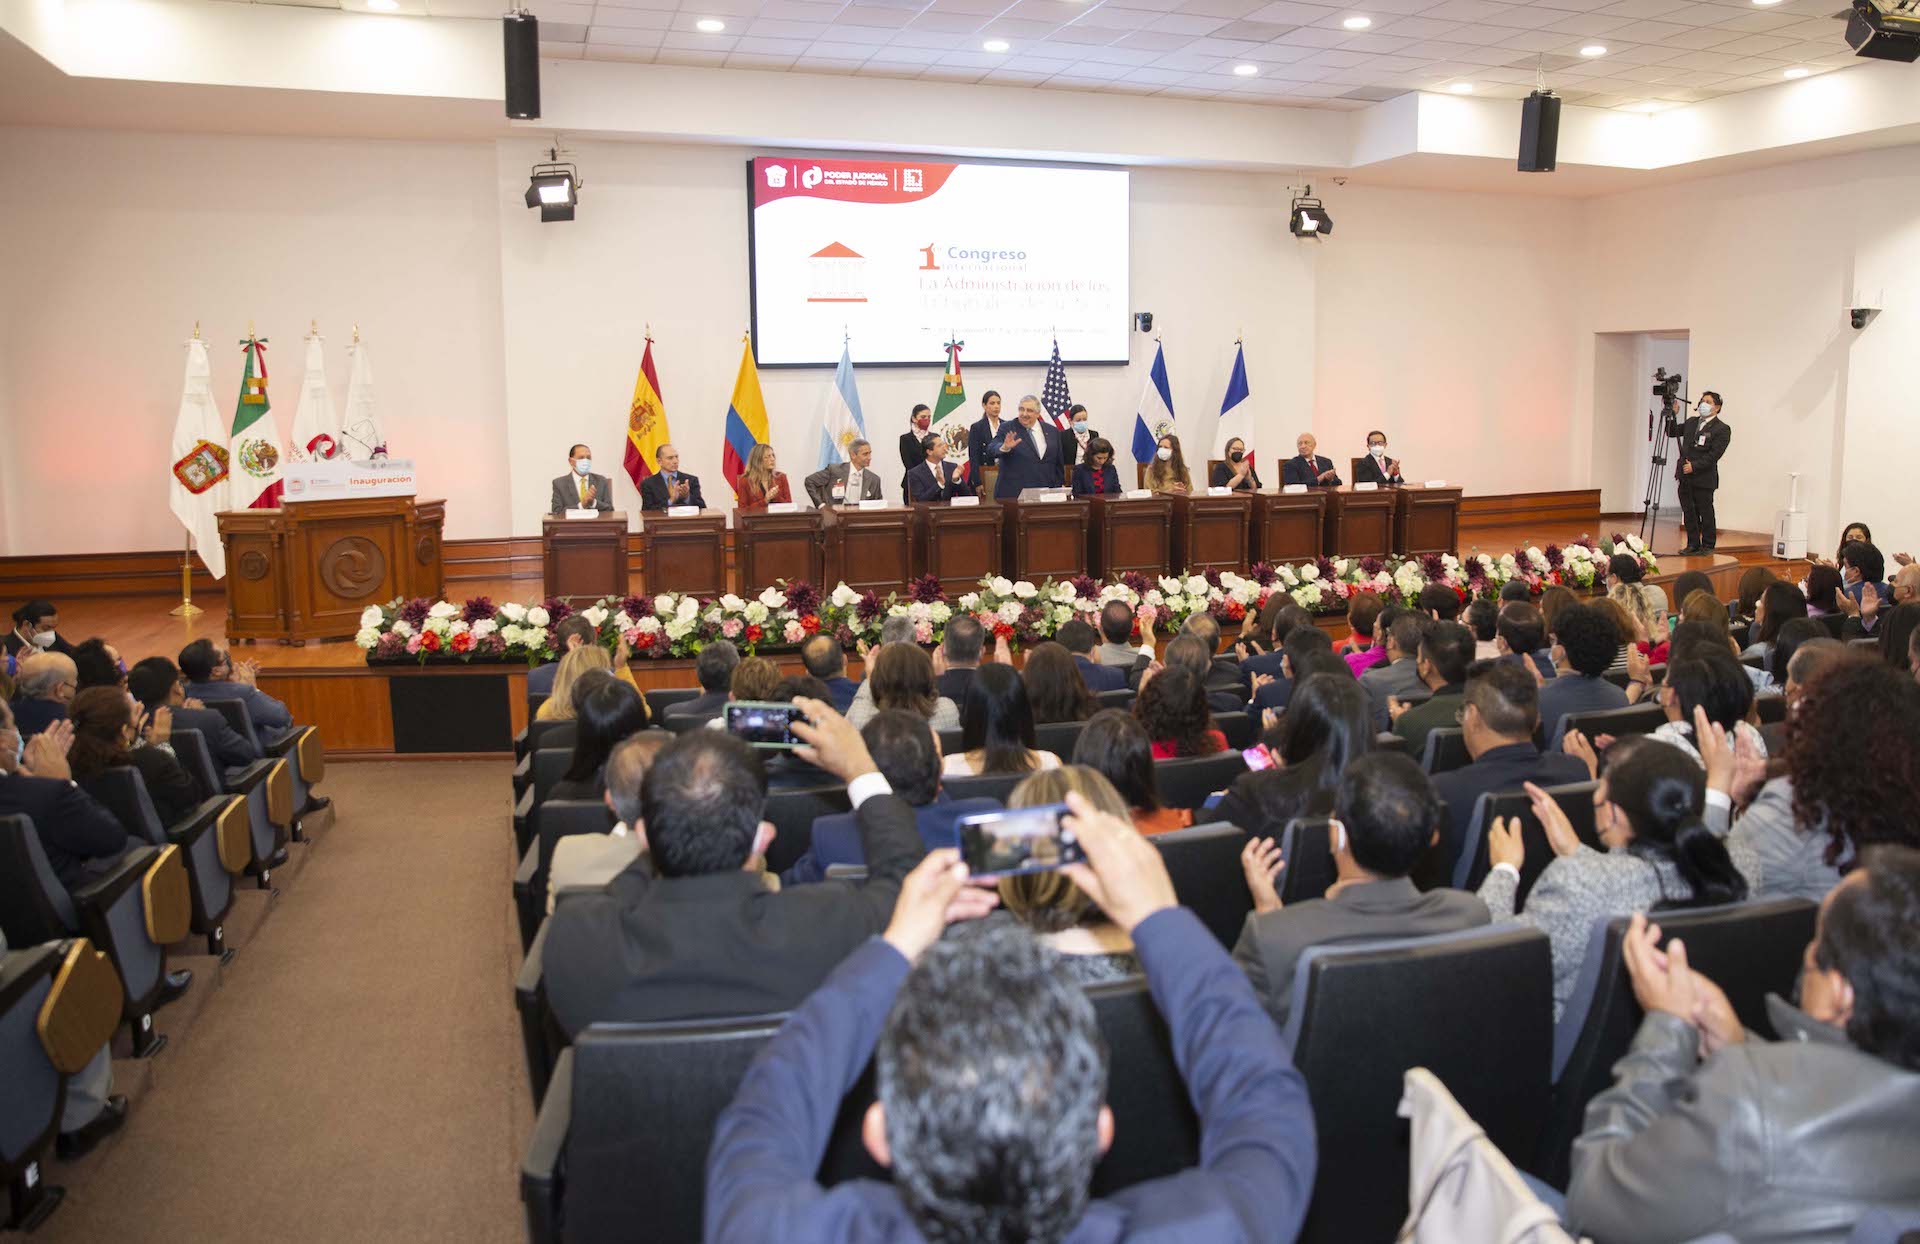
{"x":849,"y":181}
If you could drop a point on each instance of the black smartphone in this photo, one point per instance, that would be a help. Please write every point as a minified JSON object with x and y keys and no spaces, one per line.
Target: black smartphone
{"x":763,"y":723}
{"x":1018,"y":840}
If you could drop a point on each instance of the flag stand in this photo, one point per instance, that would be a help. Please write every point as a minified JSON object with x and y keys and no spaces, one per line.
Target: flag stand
{"x":186,"y":608}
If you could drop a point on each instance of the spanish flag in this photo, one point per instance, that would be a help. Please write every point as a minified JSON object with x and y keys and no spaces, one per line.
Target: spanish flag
{"x":646,"y":421}
{"x":746,"y":418}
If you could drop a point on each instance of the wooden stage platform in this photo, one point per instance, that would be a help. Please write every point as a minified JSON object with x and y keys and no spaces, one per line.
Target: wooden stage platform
{"x":387,"y":711}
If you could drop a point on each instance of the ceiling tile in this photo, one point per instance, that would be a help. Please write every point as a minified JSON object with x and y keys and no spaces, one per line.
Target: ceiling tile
{"x":682,"y":56}
{"x":799,"y":10}
{"x":873,"y":15}
{"x":630,"y":19}
{"x":1084,"y":35}
{"x":871,"y":36}
{"x":1153,"y":41}
{"x":1132,"y":57}
{"x":950,"y":23}
{"x":699,"y":43}
{"x":1313,"y":37}
{"x":1188,"y":24}
{"x":620,"y":36}
{"x":788,"y":48}
{"x":1289,"y":13}
{"x":826,"y":49}
{"x":1257,"y":32}
{"x":1110,"y":17}
{"x":762,"y":28}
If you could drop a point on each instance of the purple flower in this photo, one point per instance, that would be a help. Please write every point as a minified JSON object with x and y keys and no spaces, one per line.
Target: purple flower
{"x":491,"y":645}
{"x":1555,"y":558}
{"x":1433,"y":567}
{"x":926,"y":590}
{"x":868,"y":607}
{"x":390,"y":645}
{"x":1211,"y":576}
{"x":414,"y":612}
{"x":1371,"y":566}
{"x":1084,"y":586}
{"x":558,"y":610}
{"x":1218,"y":609}
{"x":636,"y":606}
{"x":1136,"y":582}
{"x":476,"y":610}
{"x":802,"y":597}
{"x":1264,"y":574}
{"x":845,"y":635}
{"x":1325,"y":566}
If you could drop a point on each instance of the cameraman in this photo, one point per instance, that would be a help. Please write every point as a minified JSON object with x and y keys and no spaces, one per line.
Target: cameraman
{"x":1702,"y":439}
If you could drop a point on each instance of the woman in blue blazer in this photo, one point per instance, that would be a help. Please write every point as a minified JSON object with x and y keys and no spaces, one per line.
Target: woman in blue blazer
{"x":1096,"y":476}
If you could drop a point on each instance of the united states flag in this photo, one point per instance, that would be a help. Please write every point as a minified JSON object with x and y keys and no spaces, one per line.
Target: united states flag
{"x":1054,"y":398}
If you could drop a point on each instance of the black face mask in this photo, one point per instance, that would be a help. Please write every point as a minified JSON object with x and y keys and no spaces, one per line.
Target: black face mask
{"x":1235,"y":456}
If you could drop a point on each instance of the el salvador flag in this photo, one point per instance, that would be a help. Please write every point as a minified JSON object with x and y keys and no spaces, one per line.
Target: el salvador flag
{"x":1155,"y":410}
{"x":841,"y":424}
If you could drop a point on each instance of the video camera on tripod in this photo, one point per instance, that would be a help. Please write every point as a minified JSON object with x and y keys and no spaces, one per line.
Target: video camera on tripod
{"x":1670,"y":390}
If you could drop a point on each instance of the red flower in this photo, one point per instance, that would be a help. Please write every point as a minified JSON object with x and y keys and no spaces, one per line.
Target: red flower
{"x":754,"y":632}
{"x":647,"y":640}
{"x":1236,"y":611}
{"x":429,"y":642}
{"x":1002,"y":631}
{"x":810,"y":623}
{"x":463,"y":642}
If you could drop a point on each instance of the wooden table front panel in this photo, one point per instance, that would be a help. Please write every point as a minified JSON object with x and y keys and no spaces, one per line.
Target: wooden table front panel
{"x":1287,"y":527}
{"x":1210,"y":532}
{"x":1359,"y":524}
{"x":869,"y":550}
{"x":1131,"y":534}
{"x":962,"y":544}
{"x":1426,"y":520}
{"x":777,"y":546}
{"x":685,"y":554}
{"x":584,"y":557}
{"x":1044,"y":539}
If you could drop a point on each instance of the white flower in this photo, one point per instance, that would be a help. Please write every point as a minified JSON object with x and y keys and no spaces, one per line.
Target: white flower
{"x":664,"y":605}
{"x":919,"y":611}
{"x":1169,"y":585}
{"x":456,"y":627}
{"x":1196,"y":585}
{"x":679,"y":628}
{"x":970,"y":602}
{"x":1062,"y":613}
{"x":939,"y":612}
{"x":1010,"y":612}
{"x":647,"y":626}
{"x":534,"y":637}
{"x":773,"y":598}
{"x":1636,"y":544}
{"x":843,"y":596}
{"x":1001,"y":587}
{"x":510,"y":634}
{"x":1289,"y":577}
{"x":537,"y":617}
{"x":443,"y":609}
{"x":1154,"y":597}
{"x":732,"y":603}
{"x":1064,"y":591}
{"x":512,"y":612}
{"x":402,"y":628}
{"x":712,"y":614}
{"x":687,"y":610}
{"x":621,"y":622}
{"x":367,"y":636}
{"x":371,"y":616}
{"x":1025,"y":590}
{"x":484,"y":627}
{"x":756,"y":612}
{"x":1174,"y":603}
{"x":1309,"y":573}
{"x":597,"y":615}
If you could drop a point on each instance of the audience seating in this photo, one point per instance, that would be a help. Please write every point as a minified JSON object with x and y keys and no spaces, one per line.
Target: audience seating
{"x":1058,"y":737}
{"x":1388,"y":741}
{"x":1187,"y":781}
{"x":1156,"y":1131}
{"x":1445,"y":990}
{"x":299,"y":747}
{"x":1836,"y":623}
{"x":1770,"y":708}
{"x":1643,"y":718}
{"x":133,"y":911}
{"x":210,"y":862}
{"x":1864,"y":643}
{"x":553,"y":820}
{"x":1445,"y":750}
{"x":1121,"y":697}
{"x":685,"y":722}
{"x":541,"y":1038}
{"x":253,"y":783}
{"x":660,"y":699}
{"x":538,"y":735}
{"x":1241,"y":728}
{"x":1657,"y":673}
{"x":1204,"y":863}
{"x":1749,"y":949}
{"x":995,"y":786}
{"x":1574,"y":798}
{"x":1310,"y":870}
{"x":547,"y":766}
{"x":792,"y":813}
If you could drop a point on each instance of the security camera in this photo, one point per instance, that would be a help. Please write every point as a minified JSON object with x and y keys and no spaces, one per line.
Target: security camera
{"x":1863,"y":316}
{"x":1144,"y":319}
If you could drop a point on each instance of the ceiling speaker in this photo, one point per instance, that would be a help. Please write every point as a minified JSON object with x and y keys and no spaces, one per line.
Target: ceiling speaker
{"x":1539,"y":132}
{"x":520,"y":37}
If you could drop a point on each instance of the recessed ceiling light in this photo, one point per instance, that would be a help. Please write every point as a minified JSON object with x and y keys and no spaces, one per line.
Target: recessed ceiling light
{"x":1797,"y":71}
{"x":383,"y":6}
{"x":1766,"y":3}
{"x":1245,"y":71}
{"x":1357,"y":23}
{"x":996,"y":45}
{"x":1461,"y":88}
{"x":709,"y":25}
{"x":1594,"y":49}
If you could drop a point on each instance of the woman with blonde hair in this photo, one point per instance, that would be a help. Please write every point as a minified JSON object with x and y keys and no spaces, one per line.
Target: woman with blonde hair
{"x":1062,"y":915}
{"x":1168,"y":470}
{"x":559,"y":705}
{"x":760,"y":484}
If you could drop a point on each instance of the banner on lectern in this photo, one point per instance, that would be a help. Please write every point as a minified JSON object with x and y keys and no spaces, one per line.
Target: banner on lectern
{"x":335,"y":480}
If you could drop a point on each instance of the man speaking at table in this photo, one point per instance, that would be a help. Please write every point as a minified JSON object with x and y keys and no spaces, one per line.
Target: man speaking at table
{"x":1029,"y":453}
{"x":670,"y":485}
{"x":580,"y":488}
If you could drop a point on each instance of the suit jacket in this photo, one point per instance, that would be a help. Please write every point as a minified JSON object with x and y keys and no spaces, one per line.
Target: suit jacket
{"x":820,"y":484}
{"x":1256,"y":1125}
{"x":1703,"y":447}
{"x":1271,"y":943}
{"x":1396,"y":678}
{"x":977,"y":438}
{"x":911,"y":455}
{"x":924,"y":485}
{"x":841,"y":689}
{"x":1083,"y":477}
{"x":566,"y":493}
{"x":1023,"y":466}
{"x":1423,"y":719}
{"x":30,"y":717}
{"x":269,"y":715}
{"x":836,"y":838}
{"x":749,"y":497}
{"x":230,"y":748}
{"x":1100,"y":677}
{"x":954,"y":683}
{"x":74,"y":829}
{"x":660,"y":948}
{"x":1118,"y":656}
{"x":1296,"y":471}
{"x":653,"y":491}
{"x":1371,"y":472}
{"x":540,"y":678}
{"x":707,"y":704}
{"x":1499,"y":769}
{"x":1574,"y":693}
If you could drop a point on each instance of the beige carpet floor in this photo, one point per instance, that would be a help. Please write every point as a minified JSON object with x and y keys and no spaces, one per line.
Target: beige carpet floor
{"x":354,"y":1073}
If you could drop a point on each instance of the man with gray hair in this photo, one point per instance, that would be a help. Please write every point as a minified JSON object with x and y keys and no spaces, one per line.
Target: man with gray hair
{"x":1029,"y":455}
{"x":45,"y":685}
{"x":591,"y":860}
{"x":670,"y":486}
{"x":897,"y":629}
{"x":958,"y":657}
{"x":844,"y":483}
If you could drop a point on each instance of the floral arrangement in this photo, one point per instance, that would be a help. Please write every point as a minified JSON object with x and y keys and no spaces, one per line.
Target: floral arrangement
{"x":677,"y":624}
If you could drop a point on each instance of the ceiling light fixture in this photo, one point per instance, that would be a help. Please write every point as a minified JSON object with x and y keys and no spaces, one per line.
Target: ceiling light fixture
{"x":1357,"y":23}
{"x":1461,"y":88}
{"x":1796,"y":72}
{"x":1594,"y":49}
{"x":709,"y":25}
{"x":996,"y":45}
{"x":383,"y":6}
{"x":1308,"y":219}
{"x":554,"y":187}
{"x":1245,"y":71}
{"x":1765,"y":4}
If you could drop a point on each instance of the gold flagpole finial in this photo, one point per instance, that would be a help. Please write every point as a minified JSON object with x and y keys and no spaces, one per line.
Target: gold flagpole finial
{"x":648,"y":331}
{"x":196,"y":330}
{"x":249,"y":329}
{"x":356,"y":334}
{"x":313,"y":328}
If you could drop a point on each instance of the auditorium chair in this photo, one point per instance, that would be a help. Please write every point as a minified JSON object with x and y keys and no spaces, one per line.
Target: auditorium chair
{"x":1204,"y":863}
{"x":1241,"y":728}
{"x":1156,"y":1130}
{"x":541,"y":1038}
{"x":552,"y":820}
{"x":792,"y":813}
{"x":1574,"y":798}
{"x":59,"y":1004}
{"x":537,"y":735}
{"x":660,"y":699}
{"x":300,"y":747}
{"x":1755,"y":661}
{"x":686,"y":721}
{"x":133,"y":911}
{"x":1749,"y":949}
{"x":1771,"y":708}
{"x":1445,"y":750}
{"x":548,"y":766}
{"x":1121,"y":697}
{"x":1642,"y":718}
{"x":994,"y":786}
{"x":1187,"y":781}
{"x":1475,"y":1008}
{"x":950,"y":741}
{"x":1864,"y":643}
{"x":1388,"y":741}
{"x":264,"y":786}
{"x":1306,"y":846}
{"x":1619,"y":678}
{"x":212,"y":840}
{"x":1836,"y":623}
{"x":1058,"y":737}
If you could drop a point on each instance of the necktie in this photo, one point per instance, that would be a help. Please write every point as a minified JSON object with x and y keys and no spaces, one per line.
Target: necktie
{"x":583,"y":489}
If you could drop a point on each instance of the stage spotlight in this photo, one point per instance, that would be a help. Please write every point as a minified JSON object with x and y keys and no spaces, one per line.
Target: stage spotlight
{"x":554,"y":188}
{"x":1308,"y":218}
{"x":1885,"y":31}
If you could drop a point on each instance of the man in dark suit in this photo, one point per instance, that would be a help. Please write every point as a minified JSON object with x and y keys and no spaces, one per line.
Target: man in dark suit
{"x":1497,"y":723}
{"x":1589,"y":640}
{"x":580,"y":488}
{"x":1384,"y":812}
{"x":827,"y":661}
{"x":156,"y":683}
{"x":1309,"y":468}
{"x":958,"y":656}
{"x":1028,"y":453}
{"x":1220,"y":674}
{"x":963,"y":1040}
{"x":1520,"y":633}
{"x":79,"y":836}
{"x":985,"y":430}
{"x":670,"y":485}
{"x":692,"y":930}
{"x":1446,"y":650}
{"x":714,"y":668}
{"x":1078,"y":638}
{"x":1703,"y":438}
{"x":1398,"y":676}
{"x":1376,"y":467}
{"x":46,"y":683}
{"x":935,"y":479}
{"x":212,"y":674}
{"x":572,"y":631}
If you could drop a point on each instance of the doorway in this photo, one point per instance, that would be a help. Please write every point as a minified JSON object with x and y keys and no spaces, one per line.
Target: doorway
{"x":1626,"y":416}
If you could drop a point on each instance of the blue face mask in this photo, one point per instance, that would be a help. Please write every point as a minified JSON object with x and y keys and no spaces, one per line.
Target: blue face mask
{"x":1079,"y":425}
{"x":583,"y":465}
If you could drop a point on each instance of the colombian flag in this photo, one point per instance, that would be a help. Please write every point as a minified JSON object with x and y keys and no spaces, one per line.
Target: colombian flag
{"x":746,"y":418}
{"x":646,"y":421}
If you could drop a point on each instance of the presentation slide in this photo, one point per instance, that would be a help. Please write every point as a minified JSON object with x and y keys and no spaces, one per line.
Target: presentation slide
{"x":897,"y":257}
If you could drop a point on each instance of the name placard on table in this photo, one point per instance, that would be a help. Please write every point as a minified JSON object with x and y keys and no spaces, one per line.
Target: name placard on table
{"x":578,"y":512}
{"x":1366,"y":488}
{"x":964,"y":501}
{"x":874,"y":505}
{"x":683,"y":511}
{"x":1293,"y":488}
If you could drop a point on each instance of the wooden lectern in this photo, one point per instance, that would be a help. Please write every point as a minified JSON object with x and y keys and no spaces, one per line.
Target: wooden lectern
{"x":684,"y":554}
{"x":1044,"y":539}
{"x":868,"y":550}
{"x":1359,"y":524}
{"x":767,"y":547}
{"x":1131,"y":534}
{"x":1426,"y":520}
{"x":1288,"y":527}
{"x":308,"y":569}
{"x":959,"y":545}
{"x":1210,"y":533}
{"x":584,"y":557}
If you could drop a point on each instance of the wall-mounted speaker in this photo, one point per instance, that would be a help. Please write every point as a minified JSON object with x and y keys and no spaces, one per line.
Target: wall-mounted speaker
{"x":1539,"y":132}
{"x":520,"y":39}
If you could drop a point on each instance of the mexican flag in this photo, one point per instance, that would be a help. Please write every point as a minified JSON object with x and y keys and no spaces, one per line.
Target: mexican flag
{"x":253,"y":446}
{"x":951,"y":418}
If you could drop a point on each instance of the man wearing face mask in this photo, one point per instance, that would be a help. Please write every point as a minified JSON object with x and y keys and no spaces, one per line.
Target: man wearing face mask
{"x":1702,"y":439}
{"x":1377,"y":467}
{"x":670,"y":485}
{"x":580,"y":488}
{"x":1079,"y":434}
{"x":35,"y":629}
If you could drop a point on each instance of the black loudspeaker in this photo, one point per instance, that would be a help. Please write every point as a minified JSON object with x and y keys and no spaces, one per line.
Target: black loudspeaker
{"x":520,"y":39}
{"x":1872,"y":33}
{"x":1539,"y":132}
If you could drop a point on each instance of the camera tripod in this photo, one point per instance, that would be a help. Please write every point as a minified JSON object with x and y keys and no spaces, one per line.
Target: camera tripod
{"x":1662,"y":426}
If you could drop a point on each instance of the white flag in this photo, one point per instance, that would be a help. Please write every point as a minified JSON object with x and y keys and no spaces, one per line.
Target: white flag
{"x":199,"y":489}
{"x":316,"y":434}
{"x":361,"y":437}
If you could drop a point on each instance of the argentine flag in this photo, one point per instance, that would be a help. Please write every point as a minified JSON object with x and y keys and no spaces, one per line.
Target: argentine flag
{"x":841,"y":423}
{"x":1154,"y":417}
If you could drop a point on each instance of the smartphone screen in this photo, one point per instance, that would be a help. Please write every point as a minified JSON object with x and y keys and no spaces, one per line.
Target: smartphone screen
{"x":763,"y":724}
{"x":1257,"y":757}
{"x":1020,"y":840}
